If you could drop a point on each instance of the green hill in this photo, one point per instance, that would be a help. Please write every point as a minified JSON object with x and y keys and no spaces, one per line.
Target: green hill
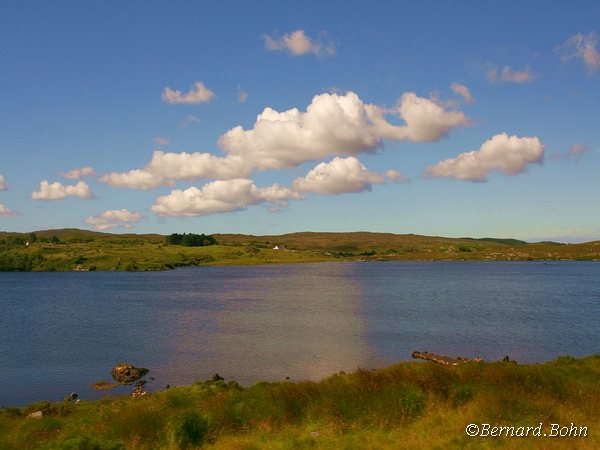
{"x":73,"y":249}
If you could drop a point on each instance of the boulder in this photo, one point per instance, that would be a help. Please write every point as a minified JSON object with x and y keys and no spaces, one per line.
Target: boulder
{"x":128,"y":373}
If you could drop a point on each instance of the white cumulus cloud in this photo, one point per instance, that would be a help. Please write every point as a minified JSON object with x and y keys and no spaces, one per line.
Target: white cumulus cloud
{"x":165,"y":168}
{"x":58,"y":191}
{"x":220,"y":196}
{"x":115,"y":218}
{"x":463,"y":91}
{"x":342,"y":175}
{"x":507,"y":154}
{"x":582,"y":46}
{"x":426,"y":120}
{"x":78,"y":173}
{"x":198,"y":93}
{"x":3,"y":183}
{"x":335,"y":124}
{"x":508,"y":75}
{"x":6,"y":212}
{"x":298,"y":43}
{"x":332,"y":124}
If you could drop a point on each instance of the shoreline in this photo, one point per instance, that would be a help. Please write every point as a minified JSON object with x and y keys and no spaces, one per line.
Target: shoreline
{"x":422,"y":403}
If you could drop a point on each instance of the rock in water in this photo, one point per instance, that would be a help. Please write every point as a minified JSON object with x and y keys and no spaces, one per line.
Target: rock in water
{"x":128,"y":373}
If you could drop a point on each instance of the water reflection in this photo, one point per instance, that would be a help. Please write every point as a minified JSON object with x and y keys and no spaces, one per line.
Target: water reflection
{"x":301,"y":321}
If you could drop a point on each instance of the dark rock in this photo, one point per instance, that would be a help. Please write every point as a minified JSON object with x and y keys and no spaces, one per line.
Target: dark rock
{"x":507,"y":359}
{"x":128,"y":373}
{"x":168,"y":386}
{"x":217,"y":377}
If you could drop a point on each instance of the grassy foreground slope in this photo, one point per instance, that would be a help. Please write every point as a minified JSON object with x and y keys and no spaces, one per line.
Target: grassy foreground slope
{"x":72,"y":249}
{"x":409,"y":405}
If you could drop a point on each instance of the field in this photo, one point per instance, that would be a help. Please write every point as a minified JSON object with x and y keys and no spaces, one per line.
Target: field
{"x":412,"y":405}
{"x":72,"y":249}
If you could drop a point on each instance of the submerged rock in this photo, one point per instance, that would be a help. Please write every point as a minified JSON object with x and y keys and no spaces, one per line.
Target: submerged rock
{"x":128,"y":373}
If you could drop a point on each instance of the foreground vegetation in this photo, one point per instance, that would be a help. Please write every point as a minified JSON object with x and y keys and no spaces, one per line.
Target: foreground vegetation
{"x":71,"y":249}
{"x":410,"y":405}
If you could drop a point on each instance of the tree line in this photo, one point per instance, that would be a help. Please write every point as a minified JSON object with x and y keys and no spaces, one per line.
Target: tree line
{"x":191,"y":240}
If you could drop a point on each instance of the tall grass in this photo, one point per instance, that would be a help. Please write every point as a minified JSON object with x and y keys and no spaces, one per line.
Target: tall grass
{"x":409,"y":405}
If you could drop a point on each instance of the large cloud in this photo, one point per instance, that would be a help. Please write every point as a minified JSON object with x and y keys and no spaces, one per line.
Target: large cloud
{"x":78,"y":173}
{"x":332,"y":125}
{"x":115,"y":218}
{"x":298,"y":43}
{"x":507,"y":154}
{"x":582,"y":46}
{"x":3,"y":184}
{"x":426,"y":120}
{"x":335,"y":124}
{"x":58,"y":191}
{"x":198,"y":93}
{"x":220,"y":196}
{"x":342,"y":175}
{"x":165,"y":168}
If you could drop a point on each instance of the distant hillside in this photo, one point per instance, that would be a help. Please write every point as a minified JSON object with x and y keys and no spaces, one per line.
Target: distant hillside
{"x":73,"y":249}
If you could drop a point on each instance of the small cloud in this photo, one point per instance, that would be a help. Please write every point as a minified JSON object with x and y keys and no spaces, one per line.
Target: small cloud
{"x":507,"y":154}
{"x":166,"y":168}
{"x":463,"y":91}
{"x":508,"y":75}
{"x":426,"y":119}
{"x":3,"y":183}
{"x":298,"y":43}
{"x":116,"y":218}
{"x":221,"y":196}
{"x":581,"y":46}
{"x":6,"y":212}
{"x":242,"y":95}
{"x":342,"y":175}
{"x":58,"y":191}
{"x":574,"y":153}
{"x":190,"y":119}
{"x":578,"y":149}
{"x":161,"y":141}
{"x":198,"y":93}
{"x":78,"y":173}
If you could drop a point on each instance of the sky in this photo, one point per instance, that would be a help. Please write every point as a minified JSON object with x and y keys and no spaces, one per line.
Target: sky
{"x":454,"y":119}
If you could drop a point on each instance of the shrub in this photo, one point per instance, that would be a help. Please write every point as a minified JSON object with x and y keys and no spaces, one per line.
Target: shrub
{"x":190,"y":429}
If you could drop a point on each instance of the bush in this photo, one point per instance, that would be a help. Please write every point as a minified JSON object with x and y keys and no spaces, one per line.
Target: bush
{"x":190,"y":429}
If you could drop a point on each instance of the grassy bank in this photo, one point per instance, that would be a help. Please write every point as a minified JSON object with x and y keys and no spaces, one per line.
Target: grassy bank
{"x":409,"y":405}
{"x":64,"y":250}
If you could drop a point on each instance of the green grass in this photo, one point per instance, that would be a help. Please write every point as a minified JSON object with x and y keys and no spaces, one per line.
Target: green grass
{"x":409,"y":405}
{"x":65,"y":250}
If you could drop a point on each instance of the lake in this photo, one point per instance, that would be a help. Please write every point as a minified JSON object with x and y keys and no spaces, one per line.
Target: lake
{"x":61,"y":332}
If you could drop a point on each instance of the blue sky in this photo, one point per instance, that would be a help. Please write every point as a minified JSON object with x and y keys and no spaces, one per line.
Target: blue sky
{"x":389,"y":99}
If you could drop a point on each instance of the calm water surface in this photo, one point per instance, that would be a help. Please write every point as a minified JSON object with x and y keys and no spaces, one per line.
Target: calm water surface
{"x":60,"y":332}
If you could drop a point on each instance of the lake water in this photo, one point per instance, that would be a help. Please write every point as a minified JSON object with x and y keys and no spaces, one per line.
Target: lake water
{"x":60,"y":332}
